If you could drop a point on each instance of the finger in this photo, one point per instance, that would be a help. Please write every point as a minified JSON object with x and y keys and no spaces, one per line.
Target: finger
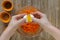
{"x":17,"y":17}
{"x":20,"y":15}
{"x":37,"y":12}
{"x":35,"y":19}
{"x":21,"y":21}
{"x":36,"y":15}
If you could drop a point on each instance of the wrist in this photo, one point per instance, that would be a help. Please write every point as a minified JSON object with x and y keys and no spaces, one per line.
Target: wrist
{"x":46,"y":25}
{"x":49,"y":25}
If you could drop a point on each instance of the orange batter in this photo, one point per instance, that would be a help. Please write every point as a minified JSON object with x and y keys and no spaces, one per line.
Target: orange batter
{"x":30,"y":28}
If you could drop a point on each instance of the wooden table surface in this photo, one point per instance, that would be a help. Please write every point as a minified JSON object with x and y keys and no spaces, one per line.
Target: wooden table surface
{"x":50,"y":7}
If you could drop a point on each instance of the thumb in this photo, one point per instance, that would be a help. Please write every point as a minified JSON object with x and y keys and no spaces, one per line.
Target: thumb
{"x":21,"y":21}
{"x":35,"y":19}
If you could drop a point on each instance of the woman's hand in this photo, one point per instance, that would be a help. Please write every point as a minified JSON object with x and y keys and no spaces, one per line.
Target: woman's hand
{"x":13,"y":25}
{"x":43,"y":21}
{"x":16,"y":21}
{"x":46,"y":25}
